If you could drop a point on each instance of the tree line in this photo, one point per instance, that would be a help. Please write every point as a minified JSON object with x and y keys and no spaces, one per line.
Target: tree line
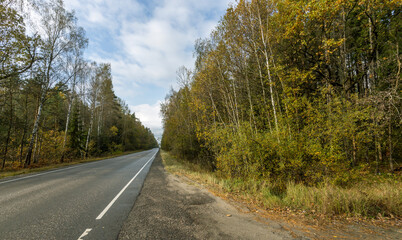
{"x":54,"y":104}
{"x":301,"y":91}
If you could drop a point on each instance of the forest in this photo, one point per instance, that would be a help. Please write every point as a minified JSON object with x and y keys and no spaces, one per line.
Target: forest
{"x":55,"y":105}
{"x":293,"y":92}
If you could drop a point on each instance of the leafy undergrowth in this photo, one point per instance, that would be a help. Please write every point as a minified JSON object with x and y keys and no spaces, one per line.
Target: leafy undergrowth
{"x":377,"y":200}
{"x":17,"y":168}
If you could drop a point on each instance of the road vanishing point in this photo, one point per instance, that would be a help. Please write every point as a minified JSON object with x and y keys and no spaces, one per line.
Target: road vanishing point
{"x":85,"y":201}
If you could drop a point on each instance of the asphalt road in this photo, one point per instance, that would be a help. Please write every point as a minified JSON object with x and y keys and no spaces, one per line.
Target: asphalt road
{"x":170,"y":208}
{"x":86,"y":201}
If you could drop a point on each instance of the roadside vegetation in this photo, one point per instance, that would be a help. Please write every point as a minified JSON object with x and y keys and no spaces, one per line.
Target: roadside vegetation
{"x":379,"y":198}
{"x":55,"y":105}
{"x":298,"y":103}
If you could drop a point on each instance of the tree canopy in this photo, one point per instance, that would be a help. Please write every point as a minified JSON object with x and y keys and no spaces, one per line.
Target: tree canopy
{"x":54,"y":104}
{"x":303,"y":91}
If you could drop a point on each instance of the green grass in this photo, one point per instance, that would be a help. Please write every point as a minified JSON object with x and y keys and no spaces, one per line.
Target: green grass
{"x":369,"y":199}
{"x":7,"y":172}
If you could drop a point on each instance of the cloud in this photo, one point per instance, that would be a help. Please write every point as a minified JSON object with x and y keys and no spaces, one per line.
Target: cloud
{"x":159,"y":45}
{"x":149,"y":116}
{"x":105,"y":14}
{"x":153,"y":38}
{"x":146,"y":41}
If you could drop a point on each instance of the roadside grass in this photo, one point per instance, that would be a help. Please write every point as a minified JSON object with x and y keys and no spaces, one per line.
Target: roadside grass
{"x":17,"y":168}
{"x":379,"y":198}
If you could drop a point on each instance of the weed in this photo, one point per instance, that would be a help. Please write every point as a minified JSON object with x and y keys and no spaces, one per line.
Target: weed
{"x":366,"y":199}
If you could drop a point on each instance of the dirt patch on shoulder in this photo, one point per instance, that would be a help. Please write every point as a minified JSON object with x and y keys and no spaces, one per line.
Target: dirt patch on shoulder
{"x":170,"y":207}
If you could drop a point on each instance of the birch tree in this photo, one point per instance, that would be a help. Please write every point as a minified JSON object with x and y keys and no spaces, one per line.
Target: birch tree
{"x":58,"y":37}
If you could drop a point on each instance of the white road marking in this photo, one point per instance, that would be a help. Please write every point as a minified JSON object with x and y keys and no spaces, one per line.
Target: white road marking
{"x":122,"y":190}
{"x":36,"y":175}
{"x":85,"y":233}
{"x":40,"y":174}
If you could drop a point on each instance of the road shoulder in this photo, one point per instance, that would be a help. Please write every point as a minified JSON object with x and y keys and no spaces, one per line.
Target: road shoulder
{"x":168,"y":207}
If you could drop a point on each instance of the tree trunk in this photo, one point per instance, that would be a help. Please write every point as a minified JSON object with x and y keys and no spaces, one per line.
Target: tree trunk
{"x":88,"y":136}
{"x":372,"y":70}
{"x":10,"y":124}
{"x":25,"y":128}
{"x":260,"y":73}
{"x":7,"y":141}
{"x":252,"y":116}
{"x":269,"y":73}
{"x":38,"y":148}
{"x":67,"y":123}
{"x":398,"y":60}
{"x":66,"y":130}
{"x":354,"y":150}
{"x":35,"y":130}
{"x":35,"y":151}
{"x":391,"y":164}
{"x":91,"y":122}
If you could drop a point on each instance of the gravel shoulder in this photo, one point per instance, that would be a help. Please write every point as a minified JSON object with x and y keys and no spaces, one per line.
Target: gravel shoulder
{"x":171,"y":208}
{"x":175,"y":207}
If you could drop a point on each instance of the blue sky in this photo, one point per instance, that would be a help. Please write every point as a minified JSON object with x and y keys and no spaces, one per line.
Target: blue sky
{"x":146,"y":42}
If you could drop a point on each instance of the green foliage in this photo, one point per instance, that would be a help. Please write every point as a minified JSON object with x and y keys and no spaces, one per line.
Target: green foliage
{"x":294,"y":91}
{"x":381,"y":196}
{"x":76,"y":133}
{"x":54,"y":105}
{"x":50,"y":149}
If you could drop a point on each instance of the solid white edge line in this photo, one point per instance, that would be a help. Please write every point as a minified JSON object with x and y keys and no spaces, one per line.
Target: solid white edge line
{"x":86,"y":232}
{"x":58,"y":170}
{"x":124,"y":188}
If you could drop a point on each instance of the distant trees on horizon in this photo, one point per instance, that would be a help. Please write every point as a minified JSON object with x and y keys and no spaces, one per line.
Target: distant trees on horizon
{"x":54,"y":104}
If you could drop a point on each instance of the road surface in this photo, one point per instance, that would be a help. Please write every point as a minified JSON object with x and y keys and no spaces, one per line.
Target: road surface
{"x":170,"y":208}
{"x":176,"y":207}
{"x":86,"y":201}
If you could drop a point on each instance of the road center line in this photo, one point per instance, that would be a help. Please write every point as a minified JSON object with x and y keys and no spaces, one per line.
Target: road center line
{"x":85,"y":233}
{"x":122,"y":190}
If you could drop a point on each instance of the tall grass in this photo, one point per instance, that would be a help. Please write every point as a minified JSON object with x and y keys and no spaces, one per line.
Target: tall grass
{"x":361,"y":200}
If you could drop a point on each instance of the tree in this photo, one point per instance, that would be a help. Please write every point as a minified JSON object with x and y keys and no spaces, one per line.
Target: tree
{"x":303,"y":91}
{"x":59,"y":36}
{"x":17,"y":54}
{"x":74,"y":69}
{"x":76,"y":112}
{"x":17,"y":50}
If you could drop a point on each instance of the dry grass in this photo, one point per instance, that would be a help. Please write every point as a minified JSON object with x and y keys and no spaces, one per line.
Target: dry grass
{"x":365,"y":200}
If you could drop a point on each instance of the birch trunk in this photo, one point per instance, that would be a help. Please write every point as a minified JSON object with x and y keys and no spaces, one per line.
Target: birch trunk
{"x":265,"y":51}
{"x":68,"y":121}
{"x":35,"y":129}
{"x":91,"y":122}
{"x":89,"y":135}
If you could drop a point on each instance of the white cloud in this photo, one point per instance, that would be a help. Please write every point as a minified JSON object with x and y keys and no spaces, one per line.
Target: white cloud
{"x":153,"y":41}
{"x":96,"y":17}
{"x":146,"y":41}
{"x":105,"y":14}
{"x":149,"y":116}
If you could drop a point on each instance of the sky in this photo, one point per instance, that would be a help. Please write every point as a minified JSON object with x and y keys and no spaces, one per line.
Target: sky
{"x":145,"y":41}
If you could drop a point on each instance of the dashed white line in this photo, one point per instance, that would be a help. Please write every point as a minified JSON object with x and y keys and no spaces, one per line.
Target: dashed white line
{"x":122,"y":190}
{"x":85,"y":233}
